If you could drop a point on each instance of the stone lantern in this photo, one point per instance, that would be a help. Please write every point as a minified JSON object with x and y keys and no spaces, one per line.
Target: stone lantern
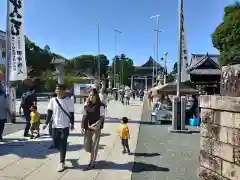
{"x":59,"y":64}
{"x":109,"y":81}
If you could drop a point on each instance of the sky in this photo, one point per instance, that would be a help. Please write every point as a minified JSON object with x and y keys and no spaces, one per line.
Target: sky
{"x":69,"y":27}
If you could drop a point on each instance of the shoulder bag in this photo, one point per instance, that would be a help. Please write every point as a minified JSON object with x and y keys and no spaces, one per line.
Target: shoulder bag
{"x":65,"y":112}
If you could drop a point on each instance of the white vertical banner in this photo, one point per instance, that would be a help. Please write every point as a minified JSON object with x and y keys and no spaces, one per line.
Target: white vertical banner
{"x":185,"y":58}
{"x":17,"y":62}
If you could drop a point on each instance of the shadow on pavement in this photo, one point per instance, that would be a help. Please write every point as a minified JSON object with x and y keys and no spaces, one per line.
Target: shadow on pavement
{"x":145,"y":154}
{"x":80,"y":134}
{"x":46,"y":136}
{"x":116,"y":120}
{"x":35,"y":149}
{"x":131,"y":166}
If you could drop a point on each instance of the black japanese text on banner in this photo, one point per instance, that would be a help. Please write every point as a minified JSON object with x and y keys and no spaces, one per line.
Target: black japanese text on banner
{"x":17,"y":64}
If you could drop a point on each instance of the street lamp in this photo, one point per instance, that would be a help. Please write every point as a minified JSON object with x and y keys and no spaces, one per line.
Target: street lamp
{"x":156,"y":31}
{"x":157,"y":70}
{"x":98,"y":59}
{"x":165,"y":67}
{"x":115,"y":63}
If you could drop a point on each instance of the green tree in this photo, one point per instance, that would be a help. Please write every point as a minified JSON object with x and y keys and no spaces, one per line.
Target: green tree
{"x":226,"y":37}
{"x":89,"y":64}
{"x":124,"y":68}
{"x":39,"y":59}
{"x":172,"y":75}
{"x":104,"y":62}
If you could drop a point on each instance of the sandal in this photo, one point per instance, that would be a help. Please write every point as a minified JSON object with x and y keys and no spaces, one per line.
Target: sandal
{"x":89,"y":167}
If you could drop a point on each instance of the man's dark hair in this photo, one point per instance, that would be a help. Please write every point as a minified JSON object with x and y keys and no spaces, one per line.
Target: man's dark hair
{"x":125,"y":120}
{"x":54,"y":94}
{"x":62,"y":86}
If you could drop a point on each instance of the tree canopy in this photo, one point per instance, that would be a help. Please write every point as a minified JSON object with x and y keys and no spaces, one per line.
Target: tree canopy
{"x":172,"y":75}
{"x":89,"y":64}
{"x":124,"y":68}
{"x":226,"y":37}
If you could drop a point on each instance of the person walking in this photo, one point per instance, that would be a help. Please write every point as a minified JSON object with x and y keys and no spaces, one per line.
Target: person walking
{"x":54,"y":95}
{"x":4,"y":109}
{"x":103,"y":96}
{"x":61,"y":112}
{"x":92,"y":123}
{"x":28,"y":100}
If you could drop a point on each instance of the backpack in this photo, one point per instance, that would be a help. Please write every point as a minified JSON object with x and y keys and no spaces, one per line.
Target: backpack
{"x":27,"y":99}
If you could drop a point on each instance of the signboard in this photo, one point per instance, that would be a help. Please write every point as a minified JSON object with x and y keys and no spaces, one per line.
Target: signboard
{"x":81,"y":89}
{"x":17,"y":61}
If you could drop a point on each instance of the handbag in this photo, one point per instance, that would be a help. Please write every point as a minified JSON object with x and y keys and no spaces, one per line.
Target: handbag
{"x":65,"y":112}
{"x":96,"y":126}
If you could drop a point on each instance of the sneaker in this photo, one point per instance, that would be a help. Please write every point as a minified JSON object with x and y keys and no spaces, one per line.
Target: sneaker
{"x":61,"y":167}
{"x":124,"y":151}
{"x":31,"y":137}
{"x":51,"y":147}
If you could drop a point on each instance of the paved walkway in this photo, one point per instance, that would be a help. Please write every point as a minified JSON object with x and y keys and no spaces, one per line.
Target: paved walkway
{"x":168,"y":156}
{"x":32,"y":160}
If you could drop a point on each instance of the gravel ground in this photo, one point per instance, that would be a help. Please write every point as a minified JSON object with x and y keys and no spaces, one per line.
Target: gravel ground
{"x":170,"y":156}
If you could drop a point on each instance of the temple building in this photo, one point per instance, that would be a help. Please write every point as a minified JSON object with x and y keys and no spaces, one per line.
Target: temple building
{"x":205,"y":72}
{"x":143,"y":75}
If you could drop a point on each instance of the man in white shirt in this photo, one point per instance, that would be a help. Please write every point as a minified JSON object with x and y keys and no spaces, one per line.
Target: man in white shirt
{"x":61,"y":111}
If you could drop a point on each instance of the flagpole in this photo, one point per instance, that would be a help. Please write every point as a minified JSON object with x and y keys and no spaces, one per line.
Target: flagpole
{"x":7,"y":49}
{"x":180,"y":21}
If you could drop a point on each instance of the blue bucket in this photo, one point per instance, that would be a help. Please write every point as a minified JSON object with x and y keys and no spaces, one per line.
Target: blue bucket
{"x":194,"y":121}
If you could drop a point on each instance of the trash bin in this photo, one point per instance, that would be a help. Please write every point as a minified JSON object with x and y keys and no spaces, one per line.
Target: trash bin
{"x":195,"y":121}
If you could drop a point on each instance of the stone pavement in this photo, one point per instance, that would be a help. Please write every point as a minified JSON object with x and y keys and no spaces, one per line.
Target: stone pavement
{"x":170,"y":156}
{"x":32,"y":160}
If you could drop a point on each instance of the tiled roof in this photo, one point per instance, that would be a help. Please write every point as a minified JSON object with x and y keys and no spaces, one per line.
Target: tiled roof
{"x":199,"y":59}
{"x":2,"y":35}
{"x":150,"y":63}
{"x":205,"y":71}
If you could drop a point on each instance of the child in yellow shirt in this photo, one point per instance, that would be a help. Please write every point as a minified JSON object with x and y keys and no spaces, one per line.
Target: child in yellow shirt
{"x":124,"y":134}
{"x":35,"y":121}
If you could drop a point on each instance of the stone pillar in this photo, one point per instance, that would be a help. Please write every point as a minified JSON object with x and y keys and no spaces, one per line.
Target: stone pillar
{"x":174,"y":113}
{"x":59,"y":70}
{"x":131,"y":82}
{"x":183,"y":112}
{"x":109,"y":82}
{"x":146,"y":86}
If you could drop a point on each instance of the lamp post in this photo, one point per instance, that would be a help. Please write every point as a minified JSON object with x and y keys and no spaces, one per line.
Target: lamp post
{"x":98,"y":59}
{"x":115,"y":63}
{"x":165,"y":68}
{"x":156,"y":31}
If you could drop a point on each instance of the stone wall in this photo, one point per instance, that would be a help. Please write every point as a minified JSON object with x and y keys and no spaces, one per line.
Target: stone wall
{"x":230,"y":80}
{"x":220,"y":138}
